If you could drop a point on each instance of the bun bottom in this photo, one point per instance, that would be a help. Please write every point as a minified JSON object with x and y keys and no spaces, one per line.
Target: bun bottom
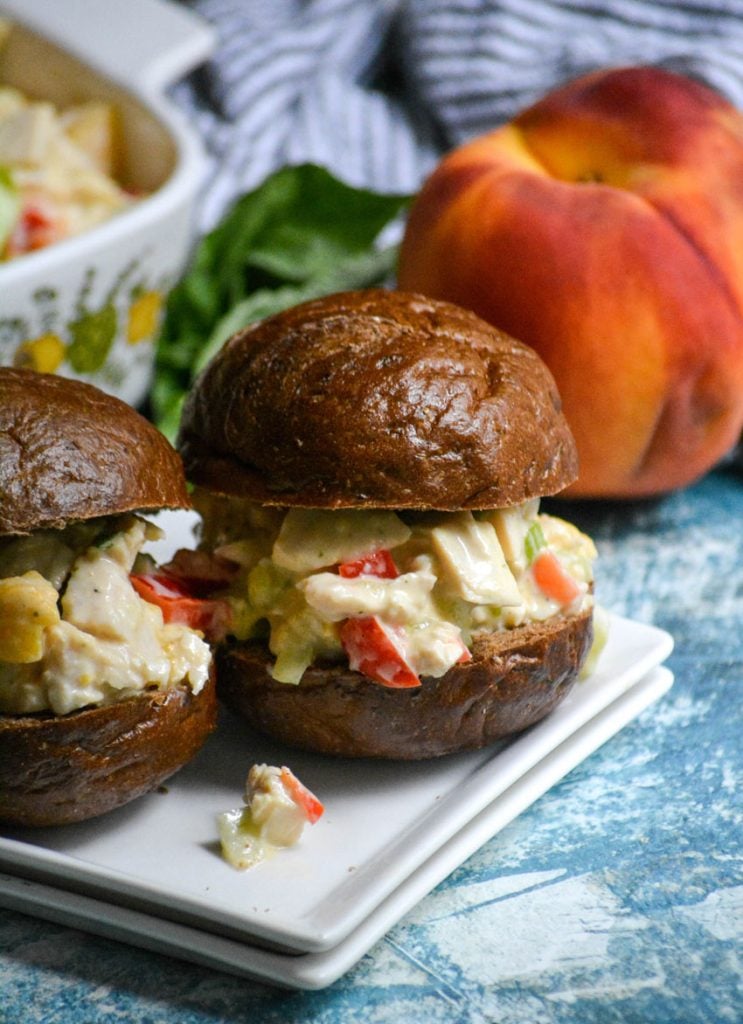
{"x":515,"y":678}
{"x":55,"y":770}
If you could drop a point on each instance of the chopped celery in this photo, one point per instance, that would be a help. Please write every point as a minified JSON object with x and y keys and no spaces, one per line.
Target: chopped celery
{"x":290,"y":665}
{"x":534,"y":542}
{"x":600,"y":636}
{"x":247,"y":622}
{"x":266,"y":585}
{"x":298,"y":638}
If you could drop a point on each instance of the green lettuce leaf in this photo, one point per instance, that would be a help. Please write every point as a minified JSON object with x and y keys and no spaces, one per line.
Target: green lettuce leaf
{"x":299,"y":235}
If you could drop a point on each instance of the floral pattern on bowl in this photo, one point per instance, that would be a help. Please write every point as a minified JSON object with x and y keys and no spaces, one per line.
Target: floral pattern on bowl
{"x":106,"y":335}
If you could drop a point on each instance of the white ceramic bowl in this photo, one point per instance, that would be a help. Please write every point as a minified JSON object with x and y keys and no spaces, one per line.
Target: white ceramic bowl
{"x":89,"y":307}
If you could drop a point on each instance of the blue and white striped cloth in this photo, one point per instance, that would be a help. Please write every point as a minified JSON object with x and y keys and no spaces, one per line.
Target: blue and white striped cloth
{"x":376,"y":90}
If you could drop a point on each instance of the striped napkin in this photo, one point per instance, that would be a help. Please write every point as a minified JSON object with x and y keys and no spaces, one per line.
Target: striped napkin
{"x":376,"y":90}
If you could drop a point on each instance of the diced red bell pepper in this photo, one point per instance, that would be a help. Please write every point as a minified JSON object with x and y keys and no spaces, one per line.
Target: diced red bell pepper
{"x":377,"y":651}
{"x":35,"y":229}
{"x":377,"y":563}
{"x":211,"y":617}
{"x":302,"y":797}
{"x":554,"y":582}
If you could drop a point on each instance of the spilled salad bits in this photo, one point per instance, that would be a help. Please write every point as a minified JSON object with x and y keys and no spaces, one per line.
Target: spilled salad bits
{"x":277,"y":809}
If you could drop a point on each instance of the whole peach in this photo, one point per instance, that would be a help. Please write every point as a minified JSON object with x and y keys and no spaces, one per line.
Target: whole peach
{"x":604,"y":227}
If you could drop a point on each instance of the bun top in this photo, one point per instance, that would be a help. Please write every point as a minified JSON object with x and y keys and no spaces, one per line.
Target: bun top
{"x":377,"y":398}
{"x":68,"y":452}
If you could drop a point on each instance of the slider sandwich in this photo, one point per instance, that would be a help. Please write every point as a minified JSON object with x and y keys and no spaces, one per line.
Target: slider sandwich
{"x":103,"y":694}
{"x":368,"y":468}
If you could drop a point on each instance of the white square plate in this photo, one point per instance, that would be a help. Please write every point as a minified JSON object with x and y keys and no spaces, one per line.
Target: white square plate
{"x":315,"y":970}
{"x":383,"y":821}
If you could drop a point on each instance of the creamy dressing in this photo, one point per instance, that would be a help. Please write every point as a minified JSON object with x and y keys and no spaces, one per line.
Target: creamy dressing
{"x":90,"y":639}
{"x":460,"y":573}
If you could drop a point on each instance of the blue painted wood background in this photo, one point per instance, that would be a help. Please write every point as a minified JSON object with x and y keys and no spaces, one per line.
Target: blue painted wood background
{"x":618,"y":897}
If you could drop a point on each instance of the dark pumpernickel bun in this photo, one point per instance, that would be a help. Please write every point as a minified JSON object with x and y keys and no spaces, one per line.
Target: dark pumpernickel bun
{"x":514,"y":679}
{"x":68,"y":451}
{"x":55,"y":770}
{"x":377,"y":399}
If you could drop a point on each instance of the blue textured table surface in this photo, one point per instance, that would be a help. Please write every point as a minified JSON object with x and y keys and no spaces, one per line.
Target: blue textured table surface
{"x":617,"y":897}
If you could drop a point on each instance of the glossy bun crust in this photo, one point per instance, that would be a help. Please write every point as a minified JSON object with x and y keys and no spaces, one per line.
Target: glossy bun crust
{"x":515,"y":678}
{"x":68,"y":451}
{"x":377,"y":399}
{"x":55,"y":770}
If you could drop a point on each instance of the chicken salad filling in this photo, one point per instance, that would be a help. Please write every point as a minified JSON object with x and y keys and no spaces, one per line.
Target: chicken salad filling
{"x":74,"y":629}
{"x":401,"y":595}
